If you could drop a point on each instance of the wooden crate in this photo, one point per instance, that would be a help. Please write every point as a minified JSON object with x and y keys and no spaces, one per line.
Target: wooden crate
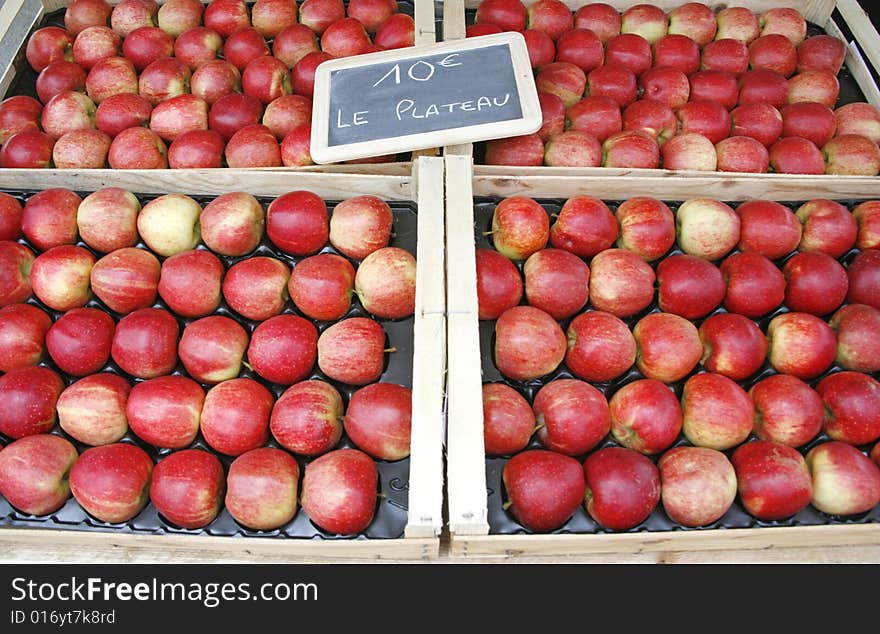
{"x":818,"y":12}
{"x":425,"y":495}
{"x":466,"y":460}
{"x":18,"y":18}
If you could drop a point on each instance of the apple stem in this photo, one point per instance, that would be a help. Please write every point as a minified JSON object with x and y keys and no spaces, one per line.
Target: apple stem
{"x":380,"y":495}
{"x":506,"y":505}
{"x":247,"y":365}
{"x":488,"y":233}
{"x":538,"y":428}
{"x":390,"y":350}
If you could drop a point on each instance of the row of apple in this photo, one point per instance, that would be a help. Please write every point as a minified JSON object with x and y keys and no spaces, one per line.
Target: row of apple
{"x":219,"y":84}
{"x":689,"y":89}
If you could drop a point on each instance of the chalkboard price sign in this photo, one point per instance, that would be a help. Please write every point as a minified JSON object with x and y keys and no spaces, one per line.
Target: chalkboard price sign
{"x":409,"y":99}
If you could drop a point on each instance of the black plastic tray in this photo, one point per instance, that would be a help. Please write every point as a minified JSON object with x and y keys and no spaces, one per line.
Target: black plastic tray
{"x":502,"y":521}
{"x":391,"y":510}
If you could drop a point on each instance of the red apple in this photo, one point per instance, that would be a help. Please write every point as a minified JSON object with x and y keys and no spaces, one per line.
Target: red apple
{"x":345,"y":37}
{"x":386,"y":283}
{"x":631,"y":149}
{"x":573,"y":148}
{"x":716,"y":86}
{"x":178,"y":16}
{"x":689,"y":151}
{"x":708,"y":118}
{"x":821,"y":52}
{"x":552,"y":17}
{"x":253,"y":146}
{"x":520,"y":227}
{"x":201,"y":149}
{"x":145,"y":343}
{"x":557,"y":282}
{"x":858,"y":348}
{"x":845,"y":481}
{"x":215,"y":79}
{"x":645,"y":20}
{"x":225,"y":16}
{"x":16,"y":261}
{"x":717,"y":413}
{"x":572,"y":416}
{"x":851,"y":402}
{"x":49,"y":44}
{"x":233,"y":112}
{"x":94,"y":44}
{"x":796,"y":155}
{"x":211,"y":348}
{"x":296,"y":147}
{"x":398,"y":31}
{"x":81,"y":149}
{"x":232,"y":224}
{"x":137,"y":148}
{"x":773,"y":52}
{"x":378,"y":420}
{"x":112,"y":482}
{"x":563,"y":79}
{"x":616,"y":82}
{"x":581,"y":47}
{"x":508,"y":420}
{"x":34,"y":473}
{"x":763,"y":86}
{"x":754,"y":285}
{"x":22,"y":336}
{"x":476,"y":30}
{"x":283,"y":349}
{"x":864,"y":279}
{"x":737,"y":22}
{"x":165,"y":411}
{"x":858,"y":118}
{"x":652,"y":117}
{"x":810,"y":120}
{"x":352,"y":351}
{"x":371,"y":13}
{"x":147,"y":44}
{"x":761,"y":121}
{"x":773,"y":480}
{"x":319,"y":14}
{"x":321,"y":286}
{"x":286,"y":113}
{"x":60,"y":277}
{"x":727,"y":54}
{"x":92,"y":410}
{"x":623,"y":487}
{"x":190,"y":283}
{"x":266,"y":79}
{"x":733,"y":346}
{"x":58,"y":77}
{"x":129,"y":15}
{"x":629,"y":51}
{"x":677,"y":51}
{"x":816,"y":283}
{"x":742,"y":154}
{"x":339,"y":491}
{"x":867,"y":217}
{"x":68,"y":111}
{"x":508,"y":15}
{"x":647,"y":227}
{"x":269,"y":17}
{"x":81,"y":14}
{"x":768,"y":228}
{"x":707,"y":228}
{"x":544,"y":488}
{"x":526,"y":150}
{"x":169,"y":224}
{"x":585,"y":226}
{"x":163,"y":79}
{"x":517,"y":332}
{"x":694,"y":20}
{"x":120,"y":112}
{"x":600,"y":347}
{"x":645,"y":416}
{"x":303,"y":73}
{"x":294,"y":42}
{"x":666,"y":85}
{"x":177,"y":115}
{"x":307,"y":418}
{"x":126,"y":279}
{"x":111,"y":76}
{"x":851,"y":154}
{"x":243,"y":46}
{"x":814,"y":85}
{"x":297,"y":223}
{"x":621,"y":282}
{"x":788,"y":22}
{"x":597,"y":115}
{"x":235,"y":417}
{"x":689,"y":286}
{"x":187,"y":488}
{"x":48,"y":218}
{"x":262,"y":488}
{"x":669,"y":347}
{"x":603,"y":19}
{"x":197,"y":46}
{"x":19,"y":113}
{"x":29,"y":396}
{"x":552,"y":115}
{"x":800,"y":344}
{"x":256,"y":287}
{"x":787,"y":410}
{"x":79,"y":341}
{"x":10,"y":217}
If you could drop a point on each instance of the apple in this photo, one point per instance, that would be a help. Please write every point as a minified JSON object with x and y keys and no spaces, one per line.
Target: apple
{"x":163,"y":79}
{"x":773,"y":480}
{"x":761,"y":121}
{"x":386,"y":283}
{"x":145,"y":343}
{"x":10,"y":217}
{"x":319,"y":14}
{"x":845,"y":481}
{"x":552,"y":17}
{"x":165,"y":411}
{"x":294,"y":42}
{"x":796,"y":155}
{"x":476,"y":30}
{"x":631,"y":149}
{"x":296,"y":147}
{"x":707,"y":228}
{"x":79,"y":341}
{"x":864,"y":279}
{"x":286,"y":113}
{"x":768,"y":228}
{"x":16,"y":262}
{"x":60,"y":277}
{"x":598,"y":115}
{"x":629,"y":51}
{"x":622,"y":487}
{"x":120,"y":112}
{"x":647,"y":227}
{"x":92,"y":409}
{"x":211,"y":348}
{"x":801,"y":344}
{"x":652,"y":117}
{"x":645,"y":20}
{"x":398,"y":31}
{"x":616,"y":82}
{"x":526,"y":150}
{"x":785,"y":21}
{"x":232,"y":224}
{"x":58,"y":77}
{"x":552,"y":115}
{"x":708,"y":118}
{"x":235,"y":416}
{"x":253,"y":146}
{"x":858,"y":118}
{"x":68,"y":111}
{"x":261,"y":488}
{"x":858,"y":348}
{"x":787,"y":410}
{"x":773,"y":52}
{"x":694,"y":20}
{"x":129,"y":15}
{"x":215,"y":79}
{"x":202,"y":149}
{"x":518,"y":331}
{"x":226,"y":16}
{"x":190,"y":283}
{"x":727,"y":54}
{"x":81,"y":14}
{"x":621,"y":282}
{"x":307,"y":418}
{"x":733,"y":345}
{"x":29,"y":396}
{"x":81,"y":149}
{"x":270,"y":17}
{"x":763,"y":86}
{"x":697,"y":485}
{"x":814,"y":85}
{"x":296,"y":222}
{"x":256,"y":287}
{"x":345,"y":37}
{"x":556,"y":281}
{"x":850,"y":400}
{"x":601,"y":18}
{"x":22,"y":336}
{"x":810,"y":120}
{"x":233,"y":112}
{"x":94,"y":44}
{"x":508,"y":15}
{"x":677,"y":51}
{"x":321,"y":286}
{"x":112,"y":482}
{"x":187,"y":488}
{"x":176,"y":17}
{"x":573,"y":148}
{"x":303,"y":73}
{"x":875,"y":454}
{"x":600,"y":347}
{"x":585,"y":226}
{"x":378,"y":420}
{"x":716,"y":86}
{"x":49,"y":44}
{"x":867,"y":217}
{"x":645,"y":416}
{"x":742,"y":154}
{"x":581,"y":47}
{"x":689,"y":151}
{"x":689,"y":286}
{"x":352,"y":351}
{"x":737,"y":22}
{"x":197,"y":46}
{"x":126,"y":279}
{"x":544,"y":488}
{"x":508,"y":420}
{"x":177,"y":115}
{"x":563,"y":79}
{"x":137,"y":148}
{"x":34,"y":473}
{"x":572,"y":416}
{"x":754,"y":285}
{"x":283,"y":349}
{"x":666,"y":84}
{"x":147,"y":44}
{"x":669,"y":347}
{"x":169,"y":224}
{"x":19,"y":113}
{"x":816,"y":283}
{"x":111,"y":76}
{"x":339,"y":491}
{"x":851,"y":154}
{"x":243,"y":46}
{"x":48,"y":218}
{"x":371,"y":13}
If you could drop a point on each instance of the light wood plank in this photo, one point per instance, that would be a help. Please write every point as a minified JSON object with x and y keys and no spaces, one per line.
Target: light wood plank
{"x":862,"y":28}
{"x":461,"y":264}
{"x":856,"y":65}
{"x":431,"y":280}
{"x":425,"y":24}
